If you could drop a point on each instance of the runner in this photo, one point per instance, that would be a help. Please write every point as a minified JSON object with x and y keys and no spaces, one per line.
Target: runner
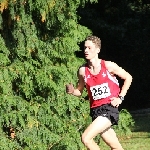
{"x":104,"y":93}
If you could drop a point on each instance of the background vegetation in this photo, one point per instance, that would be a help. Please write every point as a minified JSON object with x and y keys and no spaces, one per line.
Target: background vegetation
{"x":40,"y":44}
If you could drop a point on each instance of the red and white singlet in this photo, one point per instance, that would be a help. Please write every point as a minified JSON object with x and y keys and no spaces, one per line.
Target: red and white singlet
{"x":101,"y":87}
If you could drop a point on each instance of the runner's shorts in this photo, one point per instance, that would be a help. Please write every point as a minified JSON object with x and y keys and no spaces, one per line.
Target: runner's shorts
{"x":106,"y":110}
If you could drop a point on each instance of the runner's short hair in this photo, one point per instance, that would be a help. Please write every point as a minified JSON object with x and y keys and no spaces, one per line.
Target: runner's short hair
{"x":95,"y":40}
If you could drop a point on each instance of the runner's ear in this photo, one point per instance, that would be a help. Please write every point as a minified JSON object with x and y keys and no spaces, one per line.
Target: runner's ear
{"x":98,"y":49}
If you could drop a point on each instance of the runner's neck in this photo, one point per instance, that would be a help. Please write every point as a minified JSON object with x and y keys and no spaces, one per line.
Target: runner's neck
{"x":94,"y":63}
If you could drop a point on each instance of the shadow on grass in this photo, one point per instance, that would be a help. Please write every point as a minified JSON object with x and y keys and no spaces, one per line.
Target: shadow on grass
{"x":142,"y":123}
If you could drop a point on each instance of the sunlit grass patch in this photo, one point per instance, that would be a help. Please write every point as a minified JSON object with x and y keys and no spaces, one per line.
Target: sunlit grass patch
{"x":140,"y":138}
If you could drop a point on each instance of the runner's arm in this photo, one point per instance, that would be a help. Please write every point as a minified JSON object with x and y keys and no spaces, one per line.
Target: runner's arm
{"x":80,"y":84}
{"x":115,"y":69}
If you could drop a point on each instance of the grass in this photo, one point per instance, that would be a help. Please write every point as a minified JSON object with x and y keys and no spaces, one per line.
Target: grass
{"x":140,"y":138}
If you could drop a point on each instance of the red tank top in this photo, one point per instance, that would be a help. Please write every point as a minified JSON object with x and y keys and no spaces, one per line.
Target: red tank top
{"x":101,"y":87}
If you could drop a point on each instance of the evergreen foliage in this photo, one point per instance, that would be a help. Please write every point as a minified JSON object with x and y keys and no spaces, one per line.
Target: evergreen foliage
{"x":126,"y":122}
{"x":38,"y":40}
{"x":37,"y":44}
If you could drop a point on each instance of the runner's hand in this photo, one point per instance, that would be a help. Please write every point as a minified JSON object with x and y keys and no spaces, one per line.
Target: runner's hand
{"x":69,"y":88}
{"x":115,"y":101}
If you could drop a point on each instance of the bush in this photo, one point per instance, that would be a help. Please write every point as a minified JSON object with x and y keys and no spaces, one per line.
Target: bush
{"x":126,"y":122}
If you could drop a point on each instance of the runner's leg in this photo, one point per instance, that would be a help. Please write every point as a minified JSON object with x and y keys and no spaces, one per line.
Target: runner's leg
{"x":110,"y":138}
{"x":97,"y":126}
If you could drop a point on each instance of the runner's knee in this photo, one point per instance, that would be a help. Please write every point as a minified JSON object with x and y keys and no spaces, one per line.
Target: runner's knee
{"x":85,"y":140}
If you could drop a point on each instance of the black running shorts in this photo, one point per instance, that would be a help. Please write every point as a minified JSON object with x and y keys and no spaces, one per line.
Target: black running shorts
{"x":106,"y":110}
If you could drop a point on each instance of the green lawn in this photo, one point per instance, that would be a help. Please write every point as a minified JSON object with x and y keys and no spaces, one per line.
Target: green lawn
{"x":140,"y":138}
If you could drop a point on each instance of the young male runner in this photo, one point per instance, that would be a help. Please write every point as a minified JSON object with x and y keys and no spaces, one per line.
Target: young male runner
{"x":104,"y":93}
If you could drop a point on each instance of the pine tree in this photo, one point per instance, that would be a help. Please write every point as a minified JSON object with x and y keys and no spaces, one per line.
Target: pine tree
{"x":38,"y":41}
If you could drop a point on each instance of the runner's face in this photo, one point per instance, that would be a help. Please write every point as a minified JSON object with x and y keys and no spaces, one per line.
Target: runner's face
{"x":90,"y":51}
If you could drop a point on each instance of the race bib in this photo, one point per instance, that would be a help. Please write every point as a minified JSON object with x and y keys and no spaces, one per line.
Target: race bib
{"x":100,"y":91}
